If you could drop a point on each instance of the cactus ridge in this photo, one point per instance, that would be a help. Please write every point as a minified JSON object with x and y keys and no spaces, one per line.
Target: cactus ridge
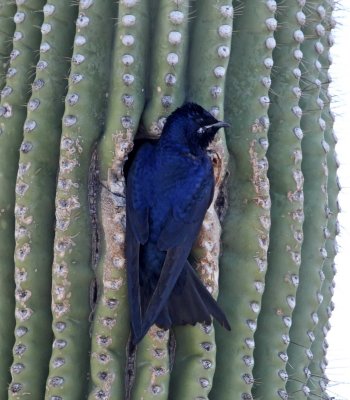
{"x":168,"y":64}
{"x":194,"y":363}
{"x":14,"y":96}
{"x":72,"y":273}
{"x":244,"y":258}
{"x":314,"y":168}
{"x":318,"y":380}
{"x":286,"y":188}
{"x":152,"y":369}
{"x":7,"y":12}
{"x":35,"y":193}
{"x":126,"y":102}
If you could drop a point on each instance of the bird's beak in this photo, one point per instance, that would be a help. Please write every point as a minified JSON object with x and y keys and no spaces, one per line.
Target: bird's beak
{"x":219,"y":124}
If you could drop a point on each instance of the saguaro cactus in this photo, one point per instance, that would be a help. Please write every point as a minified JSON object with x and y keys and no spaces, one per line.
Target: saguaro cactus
{"x":80,"y":81}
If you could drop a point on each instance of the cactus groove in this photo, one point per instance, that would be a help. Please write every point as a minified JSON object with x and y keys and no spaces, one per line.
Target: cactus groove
{"x":80,"y":82}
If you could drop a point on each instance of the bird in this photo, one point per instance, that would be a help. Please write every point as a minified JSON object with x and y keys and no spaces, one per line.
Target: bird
{"x":169,"y":187}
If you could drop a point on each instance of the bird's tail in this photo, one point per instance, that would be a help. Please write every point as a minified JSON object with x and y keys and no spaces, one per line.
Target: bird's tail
{"x":189,"y":303}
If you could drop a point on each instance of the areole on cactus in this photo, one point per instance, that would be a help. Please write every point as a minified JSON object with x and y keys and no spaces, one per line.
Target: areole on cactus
{"x":79,"y":81}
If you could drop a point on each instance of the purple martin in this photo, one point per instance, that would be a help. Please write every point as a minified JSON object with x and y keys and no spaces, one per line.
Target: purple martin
{"x":170,"y":186}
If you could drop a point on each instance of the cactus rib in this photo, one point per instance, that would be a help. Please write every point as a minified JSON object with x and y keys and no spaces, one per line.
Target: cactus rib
{"x":318,"y":380}
{"x":243,"y":262}
{"x":35,"y":192}
{"x":72,"y":273}
{"x":194,"y":363}
{"x":168,"y":63}
{"x":314,"y":168}
{"x":14,"y":97}
{"x":126,"y":102}
{"x":286,"y":189}
{"x":7,"y":28}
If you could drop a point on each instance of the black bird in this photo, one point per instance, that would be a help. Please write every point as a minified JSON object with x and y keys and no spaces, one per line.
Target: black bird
{"x":170,"y":186}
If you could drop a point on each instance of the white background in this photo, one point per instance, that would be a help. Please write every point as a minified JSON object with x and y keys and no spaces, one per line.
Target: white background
{"x":338,"y":370}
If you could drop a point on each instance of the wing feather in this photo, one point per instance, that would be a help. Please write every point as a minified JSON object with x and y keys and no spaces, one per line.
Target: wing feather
{"x":177,"y":237}
{"x":137,"y":232}
{"x":179,"y":227}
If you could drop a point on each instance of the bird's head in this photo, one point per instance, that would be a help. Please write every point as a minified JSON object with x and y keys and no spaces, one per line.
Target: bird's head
{"x":192,"y":124}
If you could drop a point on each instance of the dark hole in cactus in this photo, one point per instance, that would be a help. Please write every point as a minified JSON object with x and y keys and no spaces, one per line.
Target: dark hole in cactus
{"x":221,"y":204}
{"x":137,"y":144}
{"x":130,"y":368}
{"x":93,"y":293}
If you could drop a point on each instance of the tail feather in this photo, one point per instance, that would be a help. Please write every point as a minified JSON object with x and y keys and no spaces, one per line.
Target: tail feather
{"x":190,"y":304}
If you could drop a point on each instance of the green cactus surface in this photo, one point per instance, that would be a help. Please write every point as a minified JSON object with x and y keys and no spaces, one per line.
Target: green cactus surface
{"x":7,"y":11}
{"x":35,"y":192}
{"x":315,"y":171}
{"x":83,"y":82}
{"x":14,"y":96}
{"x":72,"y":269}
{"x":318,"y":380}
{"x":286,"y":189}
{"x":244,"y":256}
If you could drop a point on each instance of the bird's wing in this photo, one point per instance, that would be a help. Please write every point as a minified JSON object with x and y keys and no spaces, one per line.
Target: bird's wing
{"x":137,"y":231}
{"x":184,"y":223}
{"x":177,"y":237}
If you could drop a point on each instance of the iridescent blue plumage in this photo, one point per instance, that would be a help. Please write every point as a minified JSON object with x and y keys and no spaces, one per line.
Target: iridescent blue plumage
{"x":169,"y":188}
